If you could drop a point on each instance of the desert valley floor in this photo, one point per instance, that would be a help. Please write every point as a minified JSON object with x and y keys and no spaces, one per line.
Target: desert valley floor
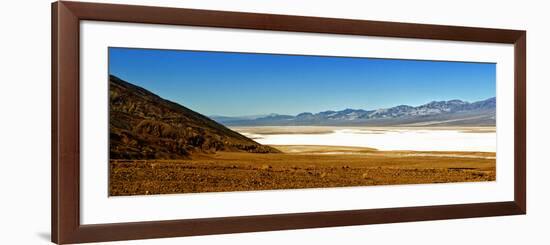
{"x":303,"y":166}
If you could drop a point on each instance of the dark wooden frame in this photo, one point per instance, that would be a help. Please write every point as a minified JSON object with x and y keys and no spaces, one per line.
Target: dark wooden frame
{"x":66,"y":17}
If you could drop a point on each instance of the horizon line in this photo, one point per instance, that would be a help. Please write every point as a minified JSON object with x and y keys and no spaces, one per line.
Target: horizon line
{"x":288,"y":114}
{"x":336,"y":110}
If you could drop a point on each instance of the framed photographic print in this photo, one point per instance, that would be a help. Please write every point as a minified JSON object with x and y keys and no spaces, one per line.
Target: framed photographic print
{"x":176,"y":122}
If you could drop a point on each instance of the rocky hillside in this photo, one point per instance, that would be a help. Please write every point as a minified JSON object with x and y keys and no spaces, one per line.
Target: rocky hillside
{"x":144,"y":126}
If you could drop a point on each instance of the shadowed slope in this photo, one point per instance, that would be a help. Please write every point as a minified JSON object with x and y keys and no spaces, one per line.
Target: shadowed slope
{"x":145,"y":126}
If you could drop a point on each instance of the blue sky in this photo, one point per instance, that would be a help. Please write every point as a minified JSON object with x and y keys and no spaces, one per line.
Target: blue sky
{"x":238,"y":84}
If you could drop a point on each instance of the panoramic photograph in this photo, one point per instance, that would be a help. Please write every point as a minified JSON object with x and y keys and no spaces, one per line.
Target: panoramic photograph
{"x":208,"y":121}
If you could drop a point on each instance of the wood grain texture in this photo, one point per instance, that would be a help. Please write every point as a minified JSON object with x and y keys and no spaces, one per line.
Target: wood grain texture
{"x":520,"y":123}
{"x":224,"y":19}
{"x":66,"y":17}
{"x":54,"y":139}
{"x":66,"y":127}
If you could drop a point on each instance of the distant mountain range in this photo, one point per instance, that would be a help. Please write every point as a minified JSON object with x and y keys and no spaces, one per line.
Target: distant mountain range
{"x":435,"y":113}
{"x":144,"y":126}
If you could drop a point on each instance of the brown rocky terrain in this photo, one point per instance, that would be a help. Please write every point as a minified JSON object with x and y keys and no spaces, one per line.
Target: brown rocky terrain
{"x":307,"y":168}
{"x":144,"y":126}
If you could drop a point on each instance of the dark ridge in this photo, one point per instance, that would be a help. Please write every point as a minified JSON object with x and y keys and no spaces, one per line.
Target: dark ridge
{"x":143,"y":125}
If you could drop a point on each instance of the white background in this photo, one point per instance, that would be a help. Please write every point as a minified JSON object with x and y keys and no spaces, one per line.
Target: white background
{"x":25,"y":104}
